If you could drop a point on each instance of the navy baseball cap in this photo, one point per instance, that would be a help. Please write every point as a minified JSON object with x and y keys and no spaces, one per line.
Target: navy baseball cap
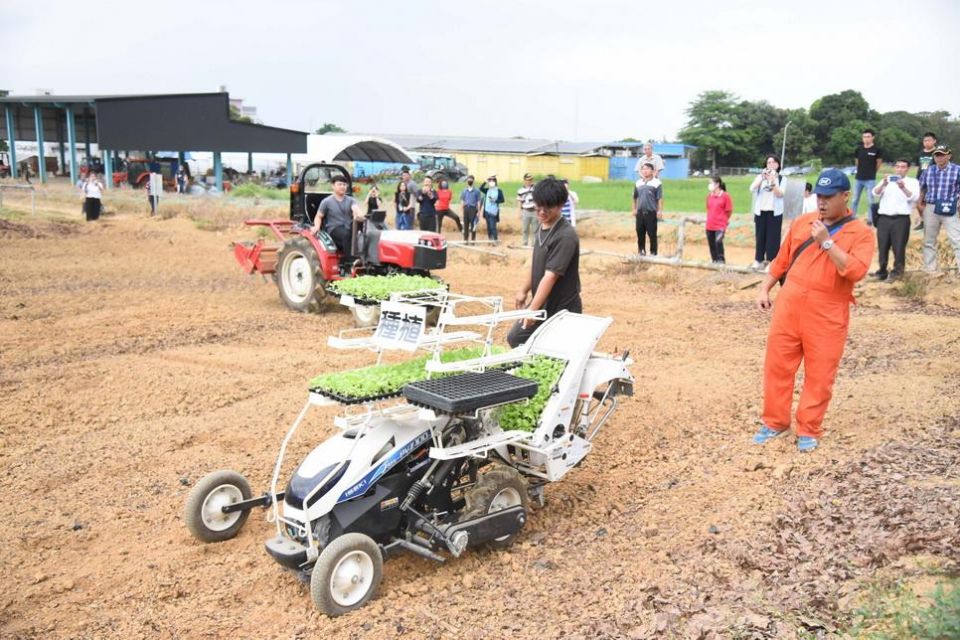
{"x":831,"y":182}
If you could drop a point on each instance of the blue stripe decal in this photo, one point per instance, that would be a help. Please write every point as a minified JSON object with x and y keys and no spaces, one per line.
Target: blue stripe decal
{"x":378,"y":472}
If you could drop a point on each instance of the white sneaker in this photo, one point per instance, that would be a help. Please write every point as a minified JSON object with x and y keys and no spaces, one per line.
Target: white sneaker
{"x":756,"y":266}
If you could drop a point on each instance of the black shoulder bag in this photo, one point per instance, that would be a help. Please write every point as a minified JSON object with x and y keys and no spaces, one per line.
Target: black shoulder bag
{"x":809,"y":241}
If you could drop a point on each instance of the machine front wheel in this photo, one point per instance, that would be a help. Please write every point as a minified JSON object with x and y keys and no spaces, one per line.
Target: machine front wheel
{"x":347,"y":574}
{"x":203,"y":513}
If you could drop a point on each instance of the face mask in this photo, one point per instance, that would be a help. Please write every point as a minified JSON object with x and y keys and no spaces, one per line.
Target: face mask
{"x":491,"y":184}
{"x":711,"y":187}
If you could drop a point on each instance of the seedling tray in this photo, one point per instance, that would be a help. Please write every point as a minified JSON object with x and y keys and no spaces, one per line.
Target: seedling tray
{"x":468,"y":392}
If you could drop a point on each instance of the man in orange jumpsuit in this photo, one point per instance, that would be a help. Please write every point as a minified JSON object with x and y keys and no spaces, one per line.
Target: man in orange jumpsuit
{"x":812,"y":312}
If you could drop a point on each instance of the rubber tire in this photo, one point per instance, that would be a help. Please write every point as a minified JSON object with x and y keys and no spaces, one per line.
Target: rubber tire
{"x":331,"y":554}
{"x":480,"y":496}
{"x":292,"y":248}
{"x":367,"y":315}
{"x":192,"y":512}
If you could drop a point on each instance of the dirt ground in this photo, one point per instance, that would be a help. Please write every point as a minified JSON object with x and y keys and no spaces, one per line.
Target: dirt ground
{"x":135,"y":357}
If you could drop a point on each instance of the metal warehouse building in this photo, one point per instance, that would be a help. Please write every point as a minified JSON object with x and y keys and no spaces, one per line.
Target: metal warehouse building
{"x":174,"y":122}
{"x":510,"y":158}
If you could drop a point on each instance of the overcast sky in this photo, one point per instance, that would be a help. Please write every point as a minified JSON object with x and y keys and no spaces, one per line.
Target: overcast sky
{"x":574,"y":70}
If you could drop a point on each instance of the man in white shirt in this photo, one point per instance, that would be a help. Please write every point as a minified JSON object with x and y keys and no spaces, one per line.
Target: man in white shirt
{"x":652,"y":158}
{"x":898,"y":197}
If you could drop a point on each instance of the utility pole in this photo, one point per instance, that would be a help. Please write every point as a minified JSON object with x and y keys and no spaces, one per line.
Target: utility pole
{"x":783,"y":149}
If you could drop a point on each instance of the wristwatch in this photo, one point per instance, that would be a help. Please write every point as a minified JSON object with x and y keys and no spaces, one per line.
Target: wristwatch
{"x":826,"y":244}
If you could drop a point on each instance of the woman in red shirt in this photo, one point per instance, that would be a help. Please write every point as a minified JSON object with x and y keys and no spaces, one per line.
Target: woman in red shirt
{"x":444,"y":196}
{"x":719,"y":210}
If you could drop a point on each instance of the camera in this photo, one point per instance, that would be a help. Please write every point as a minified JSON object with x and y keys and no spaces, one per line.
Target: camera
{"x":893,"y":178}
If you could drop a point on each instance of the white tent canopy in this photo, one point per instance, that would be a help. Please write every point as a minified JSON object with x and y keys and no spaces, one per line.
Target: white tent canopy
{"x":336,"y":147}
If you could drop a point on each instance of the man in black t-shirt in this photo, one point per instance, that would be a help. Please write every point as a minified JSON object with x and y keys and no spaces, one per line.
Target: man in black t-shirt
{"x":924,"y":160}
{"x":868,"y":157}
{"x":554,"y":278}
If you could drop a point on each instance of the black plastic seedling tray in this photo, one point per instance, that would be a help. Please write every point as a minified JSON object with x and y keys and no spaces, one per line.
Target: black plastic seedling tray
{"x":467,"y":392}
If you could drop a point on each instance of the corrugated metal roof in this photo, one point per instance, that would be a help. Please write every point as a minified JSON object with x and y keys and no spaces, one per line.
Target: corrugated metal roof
{"x":490,"y":145}
{"x":79,"y":99}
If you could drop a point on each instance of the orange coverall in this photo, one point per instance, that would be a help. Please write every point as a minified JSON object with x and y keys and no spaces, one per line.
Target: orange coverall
{"x":811,"y":315}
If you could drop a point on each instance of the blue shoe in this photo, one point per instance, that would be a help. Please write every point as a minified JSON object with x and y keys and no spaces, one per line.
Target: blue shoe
{"x":806,"y":444}
{"x":765,"y":433}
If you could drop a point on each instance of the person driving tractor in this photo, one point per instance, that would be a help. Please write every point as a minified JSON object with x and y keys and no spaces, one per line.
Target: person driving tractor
{"x":336,"y":214}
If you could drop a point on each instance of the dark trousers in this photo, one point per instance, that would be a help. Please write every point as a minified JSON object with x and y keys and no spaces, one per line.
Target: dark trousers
{"x":447,"y":213}
{"x":427,"y":221}
{"x":341,"y":237}
{"x":469,"y":223}
{"x":91,"y":207}
{"x":892,"y":232}
{"x":768,"y":228}
{"x":153,"y":204}
{"x":647,"y":227}
{"x":715,"y":240}
{"x":518,"y":335}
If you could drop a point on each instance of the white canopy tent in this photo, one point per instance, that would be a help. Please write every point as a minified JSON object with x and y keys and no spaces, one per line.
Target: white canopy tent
{"x":337,"y":147}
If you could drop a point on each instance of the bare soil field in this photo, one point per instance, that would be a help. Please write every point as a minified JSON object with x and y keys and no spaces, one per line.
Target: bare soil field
{"x":135,"y":357}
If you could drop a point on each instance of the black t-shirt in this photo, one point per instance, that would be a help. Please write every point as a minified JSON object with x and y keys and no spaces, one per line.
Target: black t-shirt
{"x":867,"y":162}
{"x":924,"y":160}
{"x":557,"y":249}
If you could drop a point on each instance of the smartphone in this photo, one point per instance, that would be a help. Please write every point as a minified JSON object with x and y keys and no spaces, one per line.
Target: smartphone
{"x":893,"y":178}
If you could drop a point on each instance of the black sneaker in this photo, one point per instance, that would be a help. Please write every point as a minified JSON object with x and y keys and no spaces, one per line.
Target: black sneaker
{"x":919,"y":226}
{"x":880,"y":275}
{"x":894,"y":276}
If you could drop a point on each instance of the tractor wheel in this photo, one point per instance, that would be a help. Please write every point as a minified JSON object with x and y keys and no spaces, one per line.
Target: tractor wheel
{"x":347,"y":574}
{"x":300,"y":276}
{"x":203,"y":514}
{"x":495,"y":490}
{"x":366,"y":315}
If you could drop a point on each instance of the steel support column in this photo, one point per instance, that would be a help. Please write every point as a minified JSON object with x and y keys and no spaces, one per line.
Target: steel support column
{"x":218,"y":170}
{"x":41,"y":159}
{"x":249,"y":163}
{"x":72,"y":143}
{"x":107,"y":168}
{"x":12,"y":140}
{"x":289,"y":169}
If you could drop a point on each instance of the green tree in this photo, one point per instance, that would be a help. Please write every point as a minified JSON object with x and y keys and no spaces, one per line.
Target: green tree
{"x":236,"y":116}
{"x":760,"y":121}
{"x":838,"y":110}
{"x":329,"y":127}
{"x":842,"y":143}
{"x":714,"y":125}
{"x":897,"y":143}
{"x":801,"y":138}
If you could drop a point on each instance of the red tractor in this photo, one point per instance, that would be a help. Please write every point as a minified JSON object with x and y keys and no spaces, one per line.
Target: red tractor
{"x":303,"y":263}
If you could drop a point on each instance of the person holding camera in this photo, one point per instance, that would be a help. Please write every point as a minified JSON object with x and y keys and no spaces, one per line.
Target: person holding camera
{"x":767,"y":213}
{"x":825,"y":254}
{"x":898,"y":195}
{"x":374,"y":201}
{"x":92,"y":189}
{"x":427,"y":218}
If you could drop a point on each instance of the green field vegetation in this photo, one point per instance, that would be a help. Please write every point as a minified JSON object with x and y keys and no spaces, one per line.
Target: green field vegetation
{"x":679,"y":196}
{"x":897,"y":610}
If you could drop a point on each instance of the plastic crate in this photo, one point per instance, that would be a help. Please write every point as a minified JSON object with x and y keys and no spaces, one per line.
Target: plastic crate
{"x":467,"y":392}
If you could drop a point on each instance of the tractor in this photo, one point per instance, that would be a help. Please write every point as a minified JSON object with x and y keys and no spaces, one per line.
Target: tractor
{"x":304,"y":264}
